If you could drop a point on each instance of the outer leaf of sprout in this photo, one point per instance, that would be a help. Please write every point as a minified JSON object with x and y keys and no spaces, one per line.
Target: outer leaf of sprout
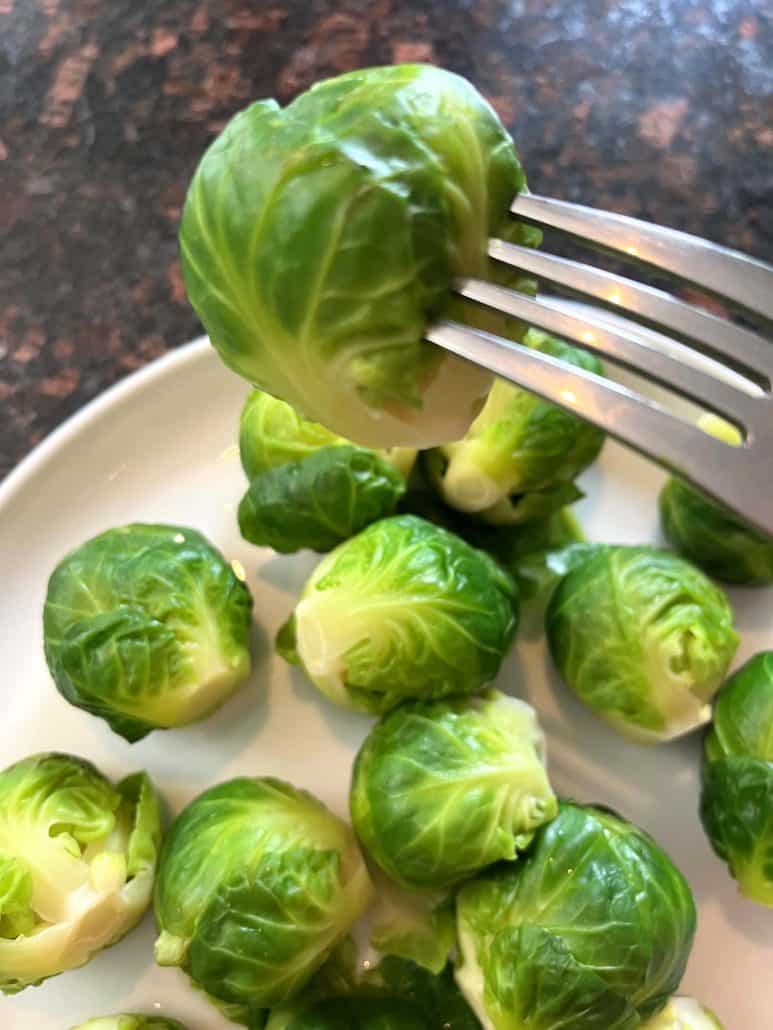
{"x":320,"y":501}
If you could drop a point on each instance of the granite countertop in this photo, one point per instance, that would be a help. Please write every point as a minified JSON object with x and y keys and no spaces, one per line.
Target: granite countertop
{"x":662,"y":110}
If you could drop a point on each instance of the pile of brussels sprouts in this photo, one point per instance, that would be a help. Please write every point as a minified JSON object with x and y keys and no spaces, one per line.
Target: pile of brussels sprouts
{"x":492,"y":904}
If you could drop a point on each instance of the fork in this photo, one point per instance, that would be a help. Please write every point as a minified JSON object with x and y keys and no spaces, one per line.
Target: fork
{"x":739,"y":477}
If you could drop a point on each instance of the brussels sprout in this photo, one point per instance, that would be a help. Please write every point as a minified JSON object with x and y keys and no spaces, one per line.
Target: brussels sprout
{"x":147,"y":627}
{"x":643,"y":638}
{"x":320,"y":501}
{"x":272,"y":433}
{"x":349,"y":1014}
{"x":417,"y":926}
{"x":737,"y":793}
{"x":77,"y":860}
{"x":683,"y":1014}
{"x":403,"y":610}
{"x":713,"y":537}
{"x":257,"y":883}
{"x":591,"y":929}
{"x":318,"y":241}
{"x":441,"y":789}
{"x":708,"y":533}
{"x":521,"y":455}
{"x":130,"y":1021}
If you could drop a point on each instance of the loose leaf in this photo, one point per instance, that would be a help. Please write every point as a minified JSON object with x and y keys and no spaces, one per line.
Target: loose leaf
{"x":320,"y":501}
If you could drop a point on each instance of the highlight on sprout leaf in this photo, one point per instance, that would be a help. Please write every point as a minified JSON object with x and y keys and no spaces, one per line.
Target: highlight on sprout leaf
{"x":77,"y":860}
{"x":272,"y":433}
{"x":148,"y":627}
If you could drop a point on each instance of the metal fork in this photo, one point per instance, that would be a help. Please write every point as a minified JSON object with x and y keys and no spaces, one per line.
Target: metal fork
{"x":740,"y":477}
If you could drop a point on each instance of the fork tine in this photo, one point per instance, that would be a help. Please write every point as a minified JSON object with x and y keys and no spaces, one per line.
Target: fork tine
{"x":632,"y":419}
{"x":742,"y":348}
{"x":726,"y":273}
{"x":631,"y":350}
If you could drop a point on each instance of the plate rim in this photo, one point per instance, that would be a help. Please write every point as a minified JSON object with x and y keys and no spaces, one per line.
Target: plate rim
{"x":46,"y":449}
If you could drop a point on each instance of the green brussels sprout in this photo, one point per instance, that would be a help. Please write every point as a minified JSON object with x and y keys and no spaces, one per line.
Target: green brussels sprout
{"x":708,"y":533}
{"x":272,"y":433}
{"x":147,"y":627}
{"x":683,"y":1014}
{"x":320,"y":501}
{"x":737,"y":790}
{"x":319,"y":240}
{"x":591,"y":929}
{"x":349,"y":1014}
{"x":130,"y":1021}
{"x":713,"y":537}
{"x":257,"y":883}
{"x":643,"y":638}
{"x":442,"y":789}
{"x":77,"y":861}
{"x":521,"y":455}
{"x":403,"y":610}
{"x":413,"y":925}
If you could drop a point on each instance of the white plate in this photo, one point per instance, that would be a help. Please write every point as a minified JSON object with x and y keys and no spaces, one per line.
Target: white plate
{"x":160,"y":446}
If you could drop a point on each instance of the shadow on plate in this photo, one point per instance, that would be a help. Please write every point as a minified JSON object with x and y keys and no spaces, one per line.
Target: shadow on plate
{"x":235,"y":726}
{"x":348,"y":727}
{"x":603,"y":772}
{"x":288,"y":572}
{"x":752,"y":608}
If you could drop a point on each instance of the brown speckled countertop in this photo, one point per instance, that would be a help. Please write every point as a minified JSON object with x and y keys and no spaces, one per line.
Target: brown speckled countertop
{"x":662,"y":109}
